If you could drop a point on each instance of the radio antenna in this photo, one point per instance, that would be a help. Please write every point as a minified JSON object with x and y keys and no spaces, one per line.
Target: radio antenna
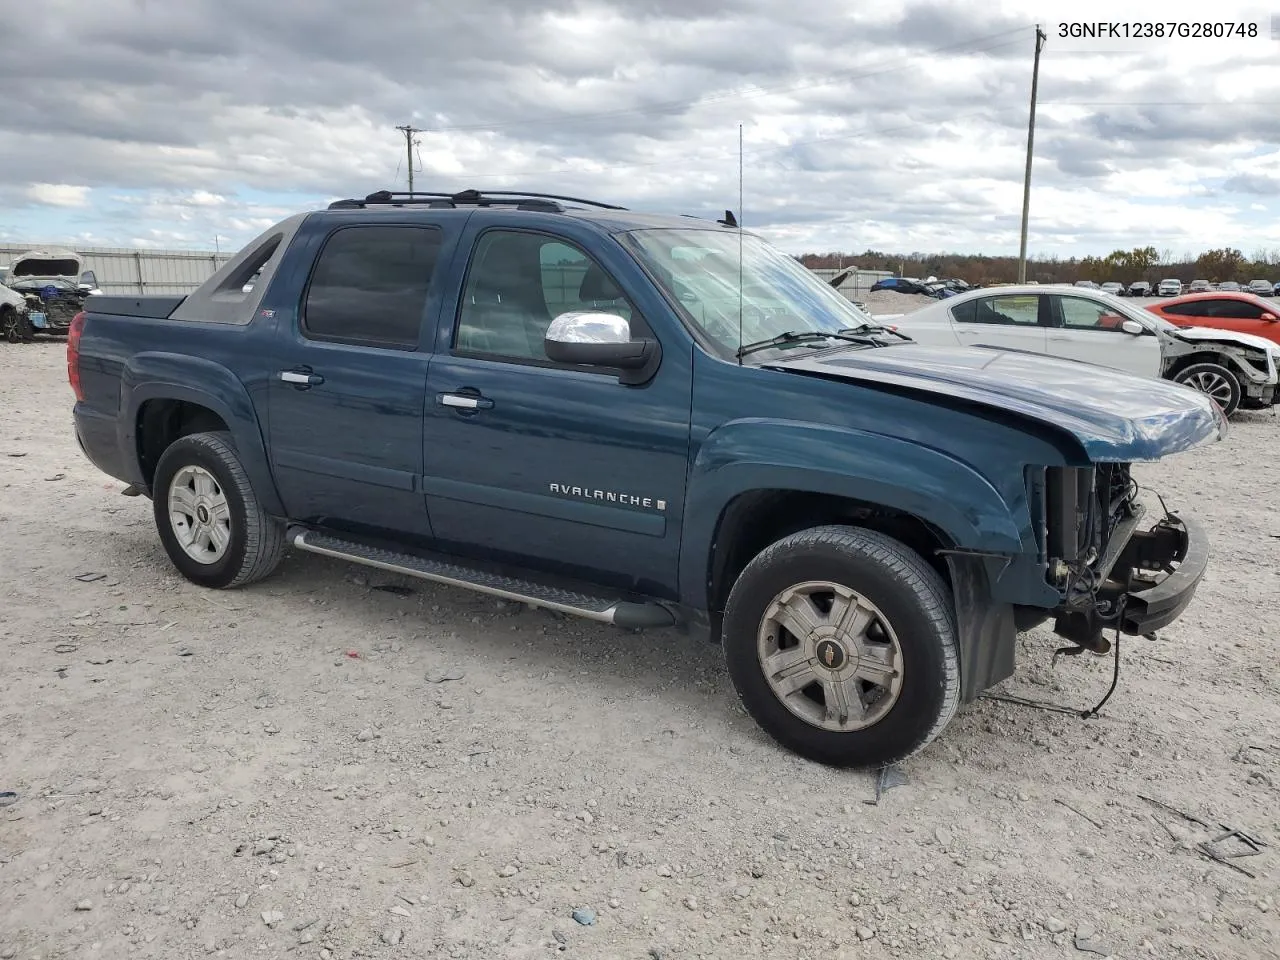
{"x":739,"y":219}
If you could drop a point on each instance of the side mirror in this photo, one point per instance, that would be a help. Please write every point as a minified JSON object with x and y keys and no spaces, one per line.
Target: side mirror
{"x":599,"y":340}
{"x":1133,"y":327}
{"x":1269,"y":317}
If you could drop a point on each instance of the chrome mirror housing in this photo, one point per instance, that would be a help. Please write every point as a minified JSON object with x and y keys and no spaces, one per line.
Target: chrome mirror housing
{"x":586,"y":337}
{"x":583,"y":326}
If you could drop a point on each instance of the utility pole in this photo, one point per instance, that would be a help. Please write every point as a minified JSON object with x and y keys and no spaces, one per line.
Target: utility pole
{"x":1031,"y":135}
{"x":409,"y":144}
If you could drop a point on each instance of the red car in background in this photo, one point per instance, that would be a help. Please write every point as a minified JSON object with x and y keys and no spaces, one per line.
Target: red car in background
{"x":1239,"y":312}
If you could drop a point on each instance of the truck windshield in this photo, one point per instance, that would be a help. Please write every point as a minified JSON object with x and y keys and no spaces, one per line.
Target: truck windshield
{"x":700,"y":270}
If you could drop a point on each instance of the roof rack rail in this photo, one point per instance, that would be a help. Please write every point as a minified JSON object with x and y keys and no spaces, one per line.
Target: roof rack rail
{"x":521,"y":199}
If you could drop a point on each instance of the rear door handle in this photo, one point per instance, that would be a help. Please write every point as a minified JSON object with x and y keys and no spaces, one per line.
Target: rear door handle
{"x":464,"y":401}
{"x":301,"y":377}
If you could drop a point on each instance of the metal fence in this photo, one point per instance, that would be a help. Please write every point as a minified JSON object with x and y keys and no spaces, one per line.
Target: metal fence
{"x":123,"y":271}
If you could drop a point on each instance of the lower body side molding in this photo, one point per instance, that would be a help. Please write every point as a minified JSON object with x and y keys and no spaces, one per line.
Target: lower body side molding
{"x":452,"y":571}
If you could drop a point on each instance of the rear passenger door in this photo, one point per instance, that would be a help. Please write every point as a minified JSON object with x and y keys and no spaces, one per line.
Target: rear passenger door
{"x":348,"y":385}
{"x":1012,"y":321}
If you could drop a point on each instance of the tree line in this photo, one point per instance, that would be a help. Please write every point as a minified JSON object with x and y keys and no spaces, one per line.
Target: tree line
{"x":1124,"y":266}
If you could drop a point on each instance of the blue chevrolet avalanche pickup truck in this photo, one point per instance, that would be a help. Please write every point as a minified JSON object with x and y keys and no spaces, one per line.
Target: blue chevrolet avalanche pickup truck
{"x":646,"y":421}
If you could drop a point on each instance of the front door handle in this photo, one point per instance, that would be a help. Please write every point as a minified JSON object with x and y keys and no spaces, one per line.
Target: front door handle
{"x":303,"y":377}
{"x":464,"y":401}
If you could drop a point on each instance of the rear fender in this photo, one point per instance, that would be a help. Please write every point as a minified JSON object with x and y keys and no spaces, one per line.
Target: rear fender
{"x":761,"y":454}
{"x":169,"y":376}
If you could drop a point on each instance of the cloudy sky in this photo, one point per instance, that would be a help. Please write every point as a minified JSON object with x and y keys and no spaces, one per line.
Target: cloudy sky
{"x":169,"y":123}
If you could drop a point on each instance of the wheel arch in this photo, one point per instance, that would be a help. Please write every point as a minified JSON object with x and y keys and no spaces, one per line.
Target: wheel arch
{"x":1203,"y":355}
{"x":746,"y":478}
{"x":161,"y":410}
{"x":755,"y":518}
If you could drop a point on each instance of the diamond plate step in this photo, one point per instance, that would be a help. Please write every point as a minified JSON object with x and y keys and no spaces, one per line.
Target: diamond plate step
{"x":622,"y":613}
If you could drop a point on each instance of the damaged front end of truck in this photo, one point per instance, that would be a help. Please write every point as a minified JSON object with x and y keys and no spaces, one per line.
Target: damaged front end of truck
{"x":1113,"y":569}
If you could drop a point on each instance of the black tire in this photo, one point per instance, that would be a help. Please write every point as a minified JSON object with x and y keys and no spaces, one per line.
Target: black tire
{"x":1199,"y":376}
{"x":911,"y":596}
{"x":256,"y":543}
{"x":16,"y":327}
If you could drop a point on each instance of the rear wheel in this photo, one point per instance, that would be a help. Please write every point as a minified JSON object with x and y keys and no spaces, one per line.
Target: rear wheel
{"x":841,"y":643}
{"x":1215,"y":380}
{"x":211,"y":524}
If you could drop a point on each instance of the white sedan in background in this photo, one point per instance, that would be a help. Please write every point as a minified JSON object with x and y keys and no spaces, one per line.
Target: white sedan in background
{"x":1236,"y":369}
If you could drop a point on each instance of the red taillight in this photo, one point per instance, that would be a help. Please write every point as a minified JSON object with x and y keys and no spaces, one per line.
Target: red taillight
{"x":73,"y":354}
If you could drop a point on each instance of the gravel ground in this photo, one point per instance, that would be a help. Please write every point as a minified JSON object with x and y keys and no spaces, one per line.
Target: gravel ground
{"x":317,"y":767}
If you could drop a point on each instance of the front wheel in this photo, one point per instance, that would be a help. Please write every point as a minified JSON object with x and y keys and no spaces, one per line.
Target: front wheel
{"x":841,"y":643}
{"x":1215,"y":380}
{"x":211,"y":524}
{"x":16,"y":327}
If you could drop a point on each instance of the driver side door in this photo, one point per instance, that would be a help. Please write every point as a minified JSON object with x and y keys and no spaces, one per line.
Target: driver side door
{"x":1243,"y":316}
{"x":1085,"y":329}
{"x":546,"y":465}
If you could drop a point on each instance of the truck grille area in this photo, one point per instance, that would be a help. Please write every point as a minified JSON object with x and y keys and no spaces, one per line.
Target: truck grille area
{"x":1078,"y":511}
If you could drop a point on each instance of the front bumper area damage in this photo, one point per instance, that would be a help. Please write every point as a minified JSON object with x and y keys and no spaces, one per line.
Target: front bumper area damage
{"x":1136,"y":580}
{"x":1163,"y":567}
{"x":51,"y":304}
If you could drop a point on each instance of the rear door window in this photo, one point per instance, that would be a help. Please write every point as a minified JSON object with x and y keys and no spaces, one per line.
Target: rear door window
{"x":370,"y":285}
{"x":1019,"y":311}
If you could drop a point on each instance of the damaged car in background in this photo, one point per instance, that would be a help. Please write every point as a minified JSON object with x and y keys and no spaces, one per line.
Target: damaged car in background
{"x":53,"y":284}
{"x":13,"y":314}
{"x":1238,"y":370}
{"x":929,"y":287}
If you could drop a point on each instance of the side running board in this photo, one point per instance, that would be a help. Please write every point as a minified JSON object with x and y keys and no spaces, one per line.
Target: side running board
{"x":621,"y":613}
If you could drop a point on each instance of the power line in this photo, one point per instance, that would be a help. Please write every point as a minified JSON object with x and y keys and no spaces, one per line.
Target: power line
{"x":669,"y":105}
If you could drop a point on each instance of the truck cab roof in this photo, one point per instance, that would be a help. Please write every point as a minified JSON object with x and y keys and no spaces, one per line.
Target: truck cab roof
{"x":234,"y":292}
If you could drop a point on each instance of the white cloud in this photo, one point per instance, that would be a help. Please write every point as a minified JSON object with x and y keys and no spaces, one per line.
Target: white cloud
{"x":58,"y":194}
{"x":901,"y":128}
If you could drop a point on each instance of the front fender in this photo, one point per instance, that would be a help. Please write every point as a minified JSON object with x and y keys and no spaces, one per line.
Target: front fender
{"x":768,"y":454}
{"x":171,"y":376}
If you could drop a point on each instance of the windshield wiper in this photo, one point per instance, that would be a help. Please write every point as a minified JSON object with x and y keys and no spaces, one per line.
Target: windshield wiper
{"x":804,"y":336}
{"x":874,"y":327}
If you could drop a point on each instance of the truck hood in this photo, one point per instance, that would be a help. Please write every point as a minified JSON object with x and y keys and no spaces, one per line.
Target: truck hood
{"x":1113,"y":416}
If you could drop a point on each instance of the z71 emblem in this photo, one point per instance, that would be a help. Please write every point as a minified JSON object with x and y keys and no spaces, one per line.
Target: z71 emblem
{"x":607,"y":496}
